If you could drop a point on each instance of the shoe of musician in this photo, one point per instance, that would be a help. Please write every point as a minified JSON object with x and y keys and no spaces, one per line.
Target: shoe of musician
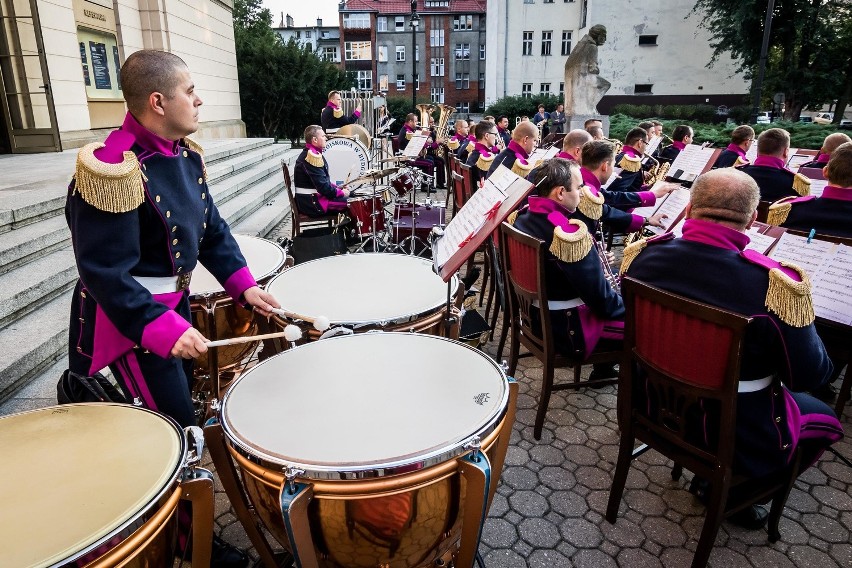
{"x":226,"y":555}
{"x":471,"y":277}
{"x":751,"y":518}
{"x":600,"y":372}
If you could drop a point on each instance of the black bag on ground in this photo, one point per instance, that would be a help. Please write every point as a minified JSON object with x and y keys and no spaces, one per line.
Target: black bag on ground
{"x":318,"y":242}
{"x":77,"y":388}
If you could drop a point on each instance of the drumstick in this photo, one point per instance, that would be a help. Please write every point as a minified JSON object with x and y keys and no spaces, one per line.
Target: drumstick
{"x":246,"y":339}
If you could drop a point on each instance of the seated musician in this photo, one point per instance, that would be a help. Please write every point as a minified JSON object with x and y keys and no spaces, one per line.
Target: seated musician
{"x":503,"y":129}
{"x":681,"y":136}
{"x":483,"y":152}
{"x":589,"y":311}
{"x":466,"y":147}
{"x":658,"y":128}
{"x":632,"y":177}
{"x":781,"y":344}
{"x":332,"y":116}
{"x":831,"y":142}
{"x":459,"y":137}
{"x":316,"y":195}
{"x":596,"y":132}
{"x":734,"y":155}
{"x":408,"y":130}
{"x":438,"y":162}
{"x":590,"y":122}
{"x":769,"y":171}
{"x":830,"y":214}
{"x":517,"y":152}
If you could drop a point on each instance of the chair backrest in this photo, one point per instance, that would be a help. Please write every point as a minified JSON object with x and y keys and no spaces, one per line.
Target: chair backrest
{"x":526,"y":294}
{"x":468,"y":181}
{"x":458,"y":191}
{"x":395,"y":144}
{"x":763,"y":210}
{"x":670,"y":377}
{"x":288,"y":183}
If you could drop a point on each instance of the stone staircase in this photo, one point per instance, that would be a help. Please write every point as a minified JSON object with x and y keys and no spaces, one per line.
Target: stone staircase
{"x":37,"y":270}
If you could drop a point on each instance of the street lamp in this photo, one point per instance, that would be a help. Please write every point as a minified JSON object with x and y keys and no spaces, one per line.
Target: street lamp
{"x":415,"y":21}
{"x":767,"y":28}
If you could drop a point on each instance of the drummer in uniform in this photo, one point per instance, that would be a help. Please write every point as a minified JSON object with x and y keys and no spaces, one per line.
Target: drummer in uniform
{"x":332,"y":116}
{"x":141,"y":217}
{"x":769,"y":170}
{"x":517,"y":153}
{"x":316,"y":195}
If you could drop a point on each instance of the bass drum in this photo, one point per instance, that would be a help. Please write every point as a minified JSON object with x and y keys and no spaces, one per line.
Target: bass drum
{"x":347,"y":159}
{"x":357,"y":130}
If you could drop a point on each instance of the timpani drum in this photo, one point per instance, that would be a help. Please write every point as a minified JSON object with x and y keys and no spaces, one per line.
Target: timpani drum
{"x":216,"y":315}
{"x":97,"y":485}
{"x":367,"y":291}
{"x":383,"y":465}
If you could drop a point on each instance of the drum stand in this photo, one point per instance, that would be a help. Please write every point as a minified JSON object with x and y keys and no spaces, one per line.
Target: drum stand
{"x":413,"y":240}
{"x":373,"y":238}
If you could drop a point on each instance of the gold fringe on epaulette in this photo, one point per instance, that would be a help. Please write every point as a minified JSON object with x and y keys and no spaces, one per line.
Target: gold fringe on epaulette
{"x":196,"y":147}
{"x":801,"y":185}
{"x":629,"y":164}
{"x":513,"y":216}
{"x":631,"y":251}
{"x":338,"y":112}
{"x":590,"y":205}
{"x":789,"y":299}
{"x":520,"y":169}
{"x":408,"y":135}
{"x":740,"y":162}
{"x":115,"y":188}
{"x":484,"y":163}
{"x":315,"y":160}
{"x":778,"y":211}
{"x":453,"y":144}
{"x":470,"y":146}
{"x":571,"y":247}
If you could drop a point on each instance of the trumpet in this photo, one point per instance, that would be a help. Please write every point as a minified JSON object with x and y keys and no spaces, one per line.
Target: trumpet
{"x":609,"y":274}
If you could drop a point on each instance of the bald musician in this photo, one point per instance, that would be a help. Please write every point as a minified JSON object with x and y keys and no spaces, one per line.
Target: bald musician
{"x":781,"y":344}
{"x":769,"y":170}
{"x":332,"y":116}
{"x":517,"y":153}
{"x":316,"y":194}
{"x":831,"y":142}
{"x":734,"y":155}
{"x":461,"y":129}
{"x":681,"y":136}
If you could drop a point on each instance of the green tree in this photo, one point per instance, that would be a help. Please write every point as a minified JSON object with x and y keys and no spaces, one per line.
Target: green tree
{"x":808,"y":47}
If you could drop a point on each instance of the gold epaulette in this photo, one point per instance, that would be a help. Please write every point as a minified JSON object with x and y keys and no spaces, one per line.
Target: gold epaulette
{"x":789,"y":299}
{"x":741,"y":162}
{"x":630,"y":164}
{"x":115,"y":188}
{"x":196,"y":147}
{"x":779,"y":210}
{"x":590,"y":205}
{"x":513,"y":216}
{"x":316,"y":160}
{"x":408,"y":135}
{"x":484,"y":163}
{"x":338,"y":112}
{"x":520,"y":169}
{"x":453,"y":144}
{"x":571,"y":247}
{"x":631,"y":251}
{"x":801,"y":185}
{"x":470,"y":146}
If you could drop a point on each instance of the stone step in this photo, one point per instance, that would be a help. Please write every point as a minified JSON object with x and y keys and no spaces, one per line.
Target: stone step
{"x":26,"y":289}
{"x":217,"y":149}
{"x":30,"y":242}
{"x":29,"y":203}
{"x":226,"y":188}
{"x":264,"y":220}
{"x":250,"y":200}
{"x":241,"y":161}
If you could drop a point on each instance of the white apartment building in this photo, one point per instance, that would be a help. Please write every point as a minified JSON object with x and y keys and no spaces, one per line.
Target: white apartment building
{"x":655,"y":52}
{"x":322,"y":40}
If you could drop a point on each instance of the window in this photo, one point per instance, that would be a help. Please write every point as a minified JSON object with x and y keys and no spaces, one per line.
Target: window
{"x":399,"y":22}
{"x":463,"y":22}
{"x":561,"y":90}
{"x":436,"y":38}
{"x":642,"y":89}
{"x":383,"y":82}
{"x":382,"y":24}
{"x":529,"y":2}
{"x":437,"y":66}
{"x":308,"y":34}
{"x":545,"y":42}
{"x":526,"y":90}
{"x":310,"y":46}
{"x":527,"y":45}
{"x":298,"y":35}
{"x":481,"y":80}
{"x":400,"y":82}
{"x":382,"y":53}
{"x":647,"y":40}
{"x":566,"y":42}
{"x":357,"y":50}
{"x":330,"y":54}
{"x":437,"y":94}
{"x":568,"y":1}
{"x":545,"y":89}
{"x":482,"y":52}
{"x":400,"y":53}
{"x":464,"y":108}
{"x":462,"y":80}
{"x":324,"y":35}
{"x":462,"y":51}
{"x":548,"y":1}
{"x":356,"y":21}
{"x":437,"y":3}
{"x":365,"y":80}
{"x":416,"y":53}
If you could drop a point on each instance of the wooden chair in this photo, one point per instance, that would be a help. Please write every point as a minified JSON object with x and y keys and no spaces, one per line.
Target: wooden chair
{"x":497,"y":294}
{"x":763,"y":210}
{"x":527,"y":299}
{"x":300,"y":219}
{"x":664,"y":379}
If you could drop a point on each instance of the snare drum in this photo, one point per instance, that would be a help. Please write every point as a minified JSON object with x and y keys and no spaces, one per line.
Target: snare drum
{"x":403,"y":182}
{"x":386,"y":465}
{"x":96,"y":483}
{"x":362,"y":210}
{"x":425,"y":217}
{"x":347,"y":159}
{"x":216,"y":315}
{"x":365,"y":291}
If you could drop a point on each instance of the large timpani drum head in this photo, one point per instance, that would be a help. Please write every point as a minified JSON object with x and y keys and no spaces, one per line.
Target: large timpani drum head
{"x":379,"y":442}
{"x":347,"y":159}
{"x":263,"y":258}
{"x":77,"y":477}
{"x":362,"y":289}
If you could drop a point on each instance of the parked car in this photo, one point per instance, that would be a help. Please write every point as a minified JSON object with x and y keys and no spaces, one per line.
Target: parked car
{"x":823,"y":117}
{"x":763,"y":117}
{"x":806,"y":119}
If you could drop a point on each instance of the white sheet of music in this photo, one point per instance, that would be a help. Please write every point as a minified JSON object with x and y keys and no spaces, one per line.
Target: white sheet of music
{"x":673,"y":206}
{"x":615,"y":173}
{"x":751,"y":153}
{"x":415,"y":146}
{"x":808,"y":256}
{"x":541,"y":154}
{"x":759,"y":242}
{"x":677,"y":230}
{"x":653,"y":144}
{"x":690,"y":162}
{"x":831,"y":287}
{"x":818,"y":186}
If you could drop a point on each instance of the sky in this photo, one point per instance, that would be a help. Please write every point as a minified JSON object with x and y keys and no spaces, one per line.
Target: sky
{"x":304,"y":12}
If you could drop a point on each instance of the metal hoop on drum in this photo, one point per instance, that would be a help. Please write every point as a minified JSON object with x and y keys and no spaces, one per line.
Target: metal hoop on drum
{"x":356,"y":492}
{"x":135,"y":522}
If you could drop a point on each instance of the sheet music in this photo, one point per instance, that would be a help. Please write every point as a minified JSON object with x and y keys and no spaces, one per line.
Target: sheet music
{"x":677,"y":230}
{"x":797,"y":160}
{"x":805,"y":255}
{"x":415,"y":146}
{"x":751,"y":153}
{"x":653,"y":144}
{"x":831,"y":288}
{"x":673,"y":206}
{"x":759,"y":242}
{"x":616,"y":172}
{"x":690,"y":162}
{"x":541,"y":154}
{"x":818,"y":186}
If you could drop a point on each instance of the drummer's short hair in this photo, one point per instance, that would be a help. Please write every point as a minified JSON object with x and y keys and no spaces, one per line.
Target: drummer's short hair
{"x":410,"y":116}
{"x":332,"y":93}
{"x":312,"y":132}
{"x":839,"y":169}
{"x":773,"y":142}
{"x":680,"y":132}
{"x":483,"y":127}
{"x":724,"y":195}
{"x":635,"y":135}
{"x":742,"y":133}
{"x":595,"y":153}
{"x":149,"y":71}
{"x":645,"y":125}
{"x":591,"y":121}
{"x":553,"y":173}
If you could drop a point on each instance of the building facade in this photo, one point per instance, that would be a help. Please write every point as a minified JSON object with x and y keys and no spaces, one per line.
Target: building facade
{"x":322,"y":40}
{"x":655,"y":52}
{"x":61,"y":78}
{"x":445,"y":49}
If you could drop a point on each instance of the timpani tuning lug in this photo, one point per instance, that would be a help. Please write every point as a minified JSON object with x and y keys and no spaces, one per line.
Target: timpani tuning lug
{"x":290,"y":474}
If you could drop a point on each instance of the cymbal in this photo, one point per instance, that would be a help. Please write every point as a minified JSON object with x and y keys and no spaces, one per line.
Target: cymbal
{"x":373,"y":175}
{"x":396,"y":159}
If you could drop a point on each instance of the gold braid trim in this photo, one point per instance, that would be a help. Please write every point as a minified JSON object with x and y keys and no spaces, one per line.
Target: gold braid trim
{"x":453,"y":144}
{"x":631,"y":251}
{"x":801,"y":185}
{"x":338,"y":112}
{"x":571,"y":247}
{"x":512,"y":217}
{"x":315,"y":160}
{"x":484,"y":163}
{"x":470,"y":146}
{"x":789,"y":299}
{"x":115,"y":188}
{"x":520,"y":169}
{"x":196,"y":147}
{"x":740,"y":162}
{"x":629,"y":164}
{"x":590,"y":205}
{"x":778,"y":211}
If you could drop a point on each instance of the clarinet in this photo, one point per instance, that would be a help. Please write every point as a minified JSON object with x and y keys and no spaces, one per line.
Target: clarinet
{"x":610,"y":275}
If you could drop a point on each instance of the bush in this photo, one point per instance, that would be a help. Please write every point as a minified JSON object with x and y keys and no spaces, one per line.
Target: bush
{"x":695,"y":113}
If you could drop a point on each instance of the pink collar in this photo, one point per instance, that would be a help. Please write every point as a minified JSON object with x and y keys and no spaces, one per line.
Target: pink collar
{"x":678,"y":145}
{"x":839,"y":193}
{"x":313,"y":148}
{"x":631,"y":151}
{"x":482,"y":149}
{"x":516,"y":148}
{"x":770,"y":162}
{"x":149,"y":141}
{"x":408,"y":128}
{"x":736,"y":149}
{"x":823,"y":158}
{"x":331,"y":105}
{"x":591,"y":180}
{"x":566,"y":156}
{"x":714,"y":234}
{"x":556,"y":214}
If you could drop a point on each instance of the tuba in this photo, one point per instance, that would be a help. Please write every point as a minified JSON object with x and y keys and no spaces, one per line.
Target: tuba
{"x":426,"y":111}
{"x":442,"y":128}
